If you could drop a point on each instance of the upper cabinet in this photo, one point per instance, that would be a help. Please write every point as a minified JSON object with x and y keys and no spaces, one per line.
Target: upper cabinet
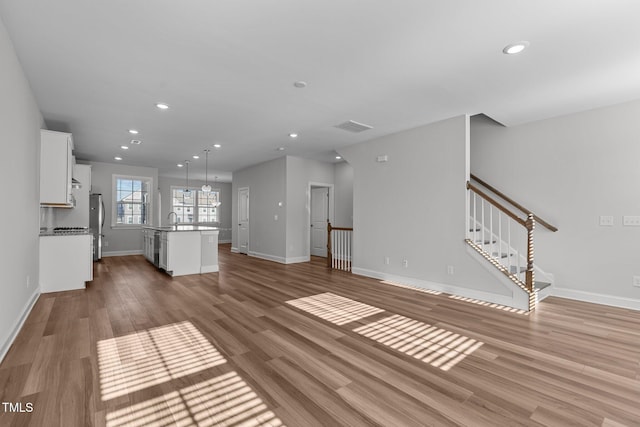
{"x":56,"y":169}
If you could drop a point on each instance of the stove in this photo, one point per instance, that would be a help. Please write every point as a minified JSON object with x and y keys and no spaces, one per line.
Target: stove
{"x":70,"y":230}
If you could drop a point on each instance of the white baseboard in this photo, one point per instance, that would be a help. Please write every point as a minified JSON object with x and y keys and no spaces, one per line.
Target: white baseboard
{"x":268,"y":257}
{"x":4,"y":349}
{"x":621,"y":302}
{"x":295,"y":260}
{"x":209,"y":269}
{"x":279,"y":259}
{"x":234,"y":250}
{"x":122,"y":253}
{"x":505,"y":300}
{"x":224,"y":241}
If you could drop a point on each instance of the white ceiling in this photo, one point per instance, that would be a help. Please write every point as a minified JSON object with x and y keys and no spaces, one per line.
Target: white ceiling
{"x":227,"y":70}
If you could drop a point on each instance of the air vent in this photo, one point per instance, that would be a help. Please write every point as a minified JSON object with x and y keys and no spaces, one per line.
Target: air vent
{"x":352,"y":126}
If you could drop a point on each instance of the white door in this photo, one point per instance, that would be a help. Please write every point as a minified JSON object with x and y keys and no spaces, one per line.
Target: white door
{"x":243,"y":220}
{"x":319,"y":218}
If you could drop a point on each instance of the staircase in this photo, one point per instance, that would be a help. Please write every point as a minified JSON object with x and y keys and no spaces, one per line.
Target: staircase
{"x":502,"y":232}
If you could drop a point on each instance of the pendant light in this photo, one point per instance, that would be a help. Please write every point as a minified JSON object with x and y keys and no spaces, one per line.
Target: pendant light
{"x":206,"y":187}
{"x":187,"y":191}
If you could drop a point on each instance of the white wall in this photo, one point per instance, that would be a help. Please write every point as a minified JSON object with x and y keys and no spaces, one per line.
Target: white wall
{"x":224,"y":210}
{"x":343,"y":179}
{"x":300,"y":173}
{"x":120,"y":241}
{"x":570,"y":170}
{"x":413,"y":207}
{"x":20,"y":123}
{"x":267,"y":187}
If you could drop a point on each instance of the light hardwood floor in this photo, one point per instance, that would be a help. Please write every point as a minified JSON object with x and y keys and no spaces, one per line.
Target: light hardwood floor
{"x":261,"y":343}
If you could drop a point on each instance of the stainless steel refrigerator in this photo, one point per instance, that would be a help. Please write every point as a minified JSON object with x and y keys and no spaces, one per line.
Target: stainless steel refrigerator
{"x":96,"y":222}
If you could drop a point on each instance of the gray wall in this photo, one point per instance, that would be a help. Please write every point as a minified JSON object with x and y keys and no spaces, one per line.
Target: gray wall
{"x":267,"y":187}
{"x":301,"y":172}
{"x":570,"y":170}
{"x":343,"y":179}
{"x":20,"y":123}
{"x":225,"y":197}
{"x":120,"y":241}
{"x":413,"y":207}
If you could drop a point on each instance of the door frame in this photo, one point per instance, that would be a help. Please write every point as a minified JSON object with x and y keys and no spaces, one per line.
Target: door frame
{"x":238,"y":218}
{"x":331,"y":209}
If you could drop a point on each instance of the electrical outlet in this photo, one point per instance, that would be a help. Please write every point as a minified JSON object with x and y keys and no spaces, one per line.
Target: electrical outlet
{"x":105,"y":243}
{"x":450,"y":269}
{"x":405,"y":263}
{"x":606,"y":220}
{"x":631,"y":221}
{"x":386,"y":260}
{"x":636,"y":281}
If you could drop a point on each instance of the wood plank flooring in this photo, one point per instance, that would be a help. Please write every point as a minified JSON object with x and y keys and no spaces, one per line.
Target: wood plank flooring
{"x":265,"y":344}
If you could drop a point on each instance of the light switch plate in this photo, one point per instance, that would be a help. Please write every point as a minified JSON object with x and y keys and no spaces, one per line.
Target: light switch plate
{"x":606,"y":220}
{"x":631,"y":221}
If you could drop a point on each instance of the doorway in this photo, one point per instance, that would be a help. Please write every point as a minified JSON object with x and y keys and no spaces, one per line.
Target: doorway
{"x":243,"y":220}
{"x":320,"y":213}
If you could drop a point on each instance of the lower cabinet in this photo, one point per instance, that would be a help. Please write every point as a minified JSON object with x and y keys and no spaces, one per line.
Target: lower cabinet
{"x":182,"y":252}
{"x":66,"y":262}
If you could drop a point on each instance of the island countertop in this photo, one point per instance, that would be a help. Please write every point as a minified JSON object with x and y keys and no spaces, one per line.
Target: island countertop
{"x":181,"y":227}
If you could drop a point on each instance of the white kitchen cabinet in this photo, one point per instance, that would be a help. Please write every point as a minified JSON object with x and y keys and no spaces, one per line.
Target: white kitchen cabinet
{"x":183,"y":253}
{"x":66,"y":262}
{"x":164,"y":244}
{"x":56,"y":168}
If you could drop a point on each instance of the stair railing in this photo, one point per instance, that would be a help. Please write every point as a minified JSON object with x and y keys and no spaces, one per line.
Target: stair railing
{"x":502,"y":236}
{"x":339,"y":245}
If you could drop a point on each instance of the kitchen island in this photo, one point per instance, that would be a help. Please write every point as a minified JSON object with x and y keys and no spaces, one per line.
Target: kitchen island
{"x":182,"y":249}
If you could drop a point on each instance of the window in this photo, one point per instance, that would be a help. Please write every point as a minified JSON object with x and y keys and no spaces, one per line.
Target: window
{"x":195,"y":206}
{"x":132,"y":201}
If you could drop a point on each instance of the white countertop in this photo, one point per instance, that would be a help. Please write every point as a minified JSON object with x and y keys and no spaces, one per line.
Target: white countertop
{"x":182,"y":228}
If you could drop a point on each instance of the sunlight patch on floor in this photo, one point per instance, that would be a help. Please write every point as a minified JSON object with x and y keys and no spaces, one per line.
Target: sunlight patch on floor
{"x":436,"y":346}
{"x":225,"y":400}
{"x":413,"y":288}
{"x":146,"y":358}
{"x":489,"y":304}
{"x":334,"y":308}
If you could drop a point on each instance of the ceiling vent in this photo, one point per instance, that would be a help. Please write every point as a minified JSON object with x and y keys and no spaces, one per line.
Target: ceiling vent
{"x":352,"y":126}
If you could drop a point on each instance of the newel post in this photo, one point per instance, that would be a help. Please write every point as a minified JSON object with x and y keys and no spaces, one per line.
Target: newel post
{"x":530,"y":277}
{"x":329,"y":244}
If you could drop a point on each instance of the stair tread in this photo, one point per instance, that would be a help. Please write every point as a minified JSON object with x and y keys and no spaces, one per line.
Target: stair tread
{"x":501,"y":255}
{"x":542,"y":285}
{"x":485,"y":242}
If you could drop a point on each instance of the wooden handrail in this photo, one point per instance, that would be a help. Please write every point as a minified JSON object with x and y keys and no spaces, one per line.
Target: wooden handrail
{"x":494,"y":202}
{"x":513,"y":203}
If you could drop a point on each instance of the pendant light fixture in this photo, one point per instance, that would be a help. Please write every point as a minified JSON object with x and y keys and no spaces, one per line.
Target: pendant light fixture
{"x":206,"y":187}
{"x":187,"y":191}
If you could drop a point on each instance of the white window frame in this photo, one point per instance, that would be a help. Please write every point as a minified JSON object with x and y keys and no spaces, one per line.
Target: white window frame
{"x":114,"y":201}
{"x":196,"y":207}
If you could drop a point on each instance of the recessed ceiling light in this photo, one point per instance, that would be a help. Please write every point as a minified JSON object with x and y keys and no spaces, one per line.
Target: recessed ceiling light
{"x":514,"y":48}
{"x":180,"y":165}
{"x":280,"y":148}
{"x":338,"y":157}
{"x":117,"y":158}
{"x":124,"y":147}
{"x":217,"y":145}
{"x":293,"y":135}
{"x":133,"y":132}
{"x":300,"y":84}
{"x":196,"y":157}
{"x":162,"y":106}
{"x":136,"y":142}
